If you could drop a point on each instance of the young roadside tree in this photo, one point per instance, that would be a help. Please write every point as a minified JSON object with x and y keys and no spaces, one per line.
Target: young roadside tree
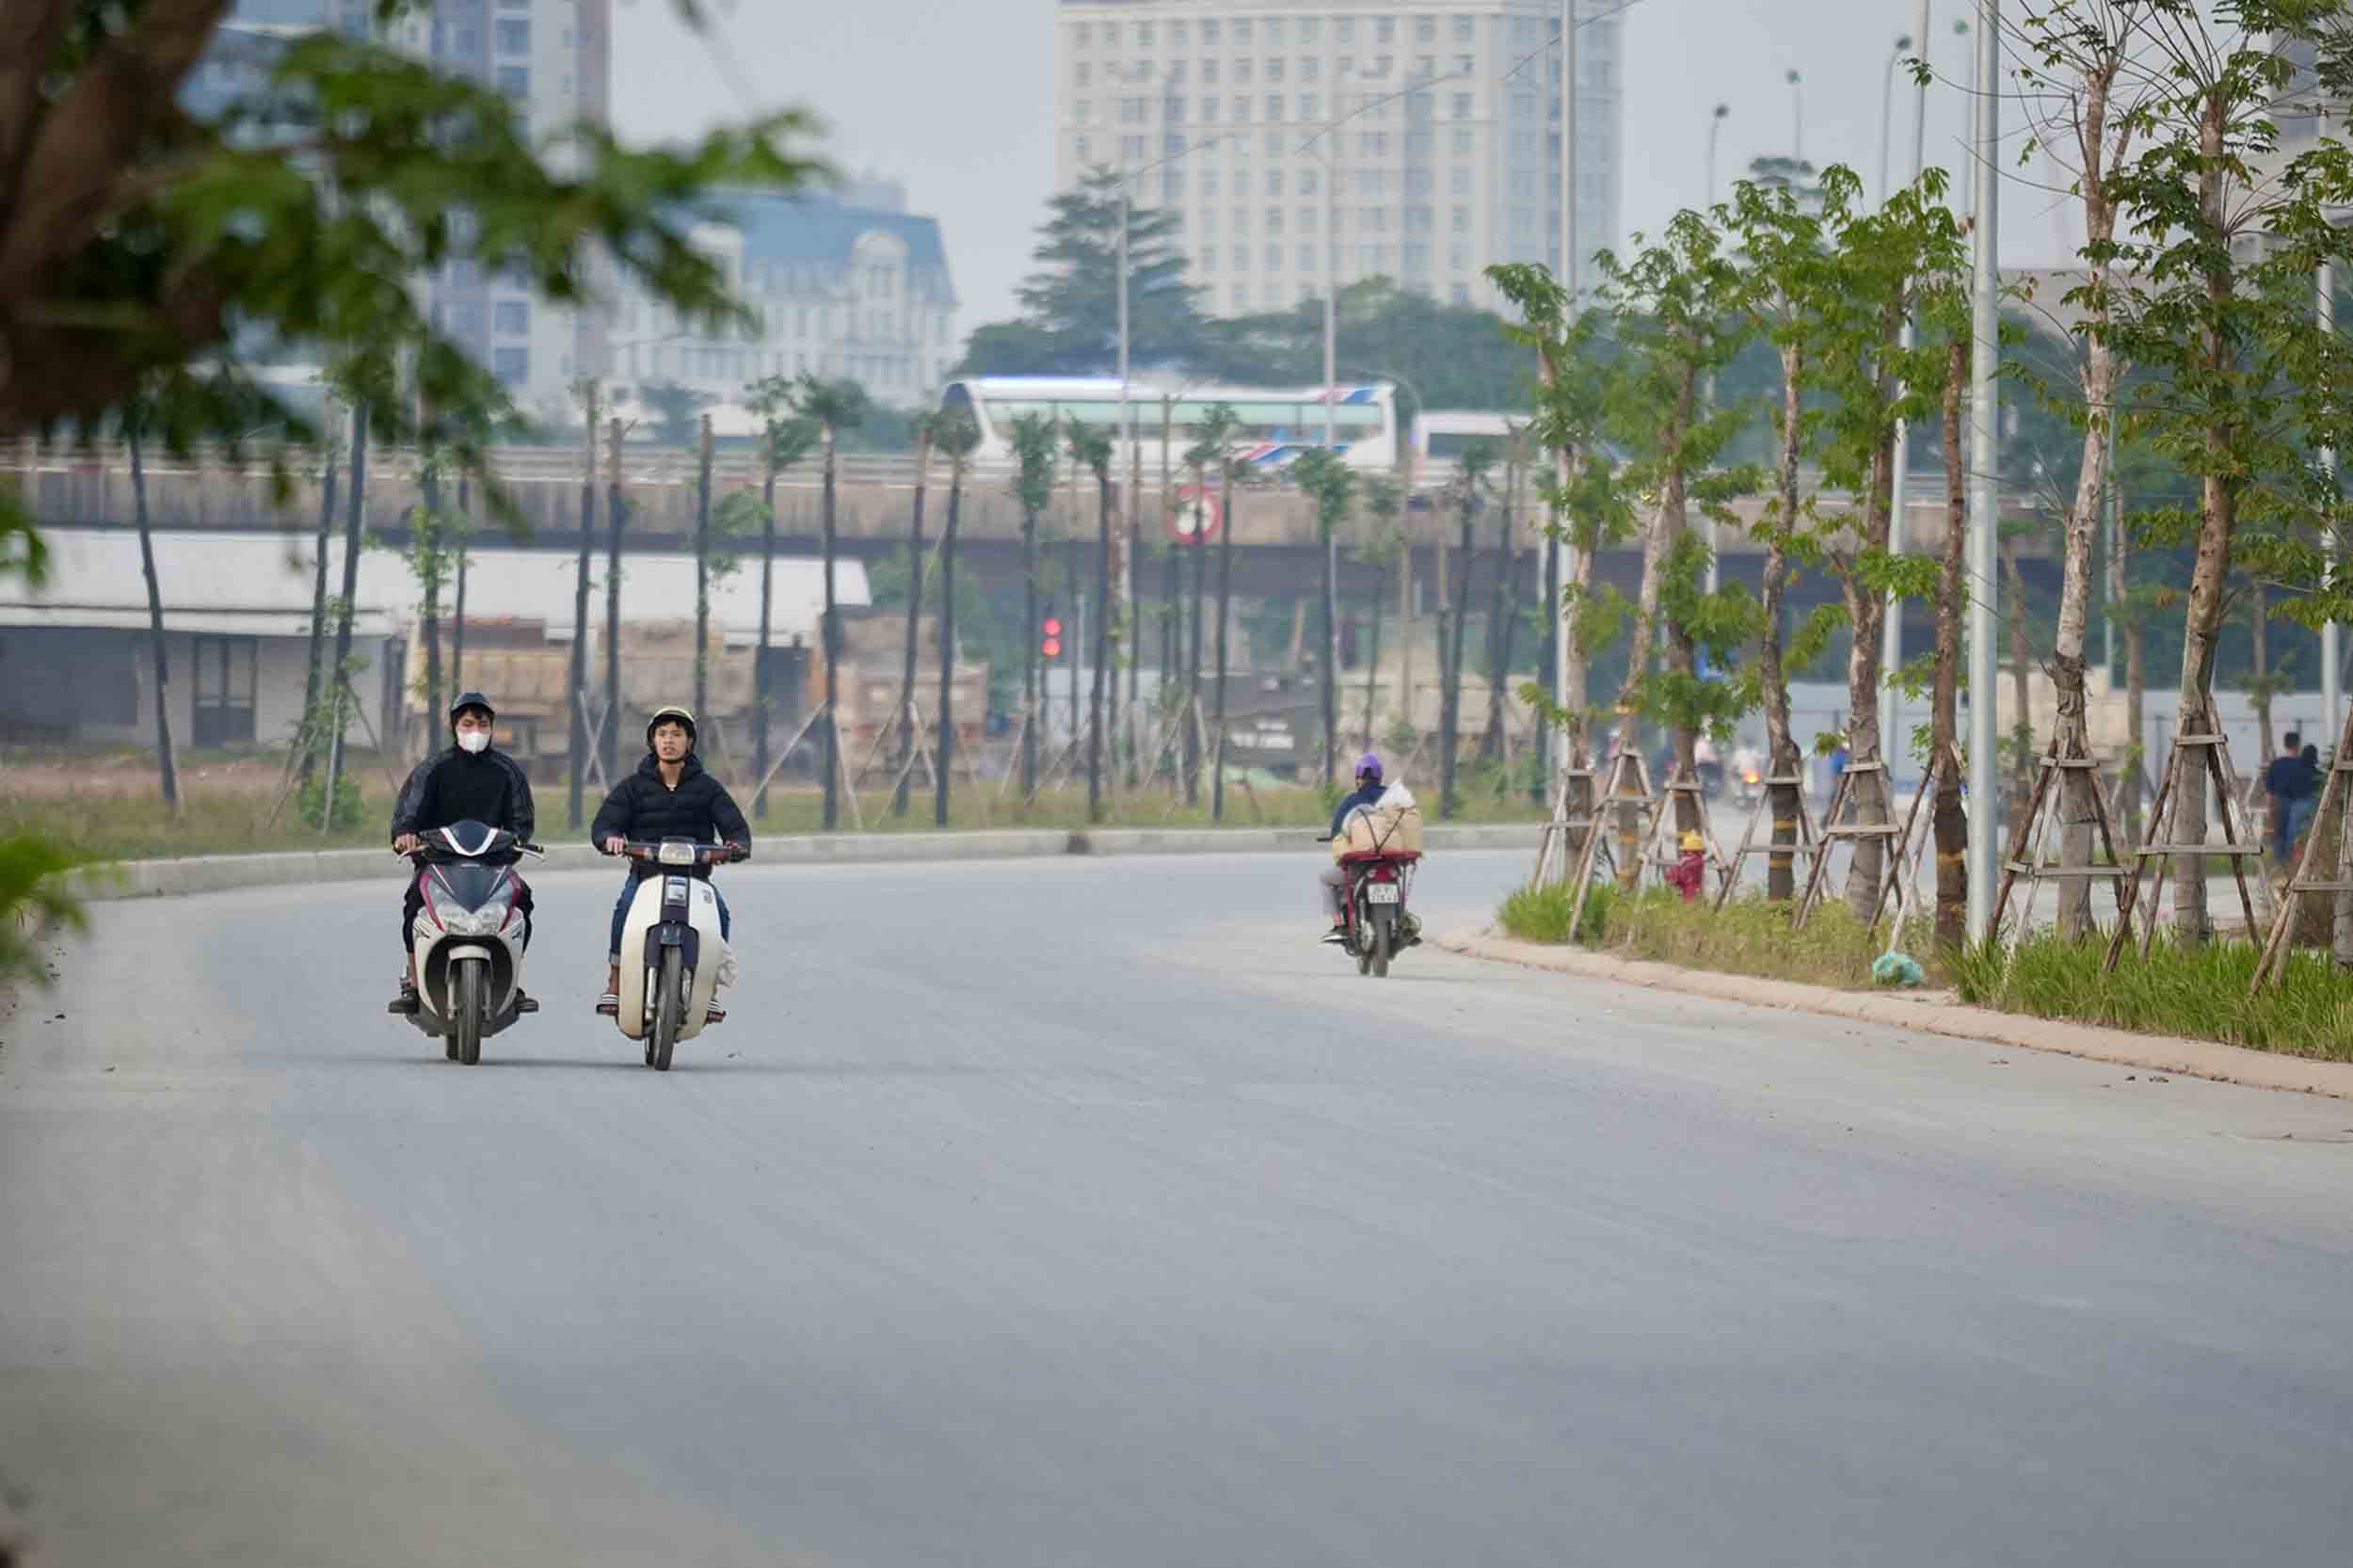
{"x":833,"y":407}
{"x":902,"y":764}
{"x":1882,"y":263}
{"x":785,"y":442}
{"x":953,"y":437}
{"x":1588,"y":506}
{"x":2214,"y":295}
{"x":1328,"y":483}
{"x":1503,"y":592}
{"x":1469,"y":493}
{"x":1213,"y":447}
{"x":1679,"y":319}
{"x":1033,"y":453}
{"x":1384,"y":499}
{"x":1091,"y":450}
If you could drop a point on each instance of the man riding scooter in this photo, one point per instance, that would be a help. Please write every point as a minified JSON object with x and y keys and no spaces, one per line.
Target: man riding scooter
{"x":471,"y":781}
{"x":1335,"y":878}
{"x":669,"y":796}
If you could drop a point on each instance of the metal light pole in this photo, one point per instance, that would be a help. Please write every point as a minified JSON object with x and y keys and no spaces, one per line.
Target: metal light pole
{"x":1797,"y":118}
{"x":1984,"y":499}
{"x":1714,"y":125}
{"x":2329,"y":655}
{"x":1563,"y":555}
{"x":1892,"y":628}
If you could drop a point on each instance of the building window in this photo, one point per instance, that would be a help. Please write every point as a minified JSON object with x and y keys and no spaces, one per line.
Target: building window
{"x":1209,"y":186}
{"x":1417,"y":182}
{"x":1241,"y":291}
{"x":226,"y":680}
{"x":512,"y":366}
{"x":1461,"y":294}
{"x":1311,"y":69}
{"x":1458,"y":257}
{"x":1307,"y":221}
{"x":1381,"y":64}
{"x":1385,"y":30}
{"x":1274,"y":182}
{"x":1132,"y":147}
{"x":1462,"y":106}
{"x":1275,"y":147}
{"x":1242,"y":220}
{"x":1464,"y":65}
{"x":1419,"y":144}
{"x":1306,"y":258}
{"x":1208,"y":259}
{"x":1210,"y":30}
{"x":1242,"y":29}
{"x":1083,"y":73}
{"x":1242,"y":257}
{"x":1274,"y":220}
{"x":1417,"y":258}
{"x":1310,"y":29}
{"x":1143,"y":35}
{"x":1208,"y":222}
{"x":1274,"y":69}
{"x":1310,"y":107}
{"x":1241,"y":109}
{"x":1176,"y":35}
{"x":515,"y":81}
{"x":1274,"y":258}
{"x":511,"y":317}
{"x":1344,"y":30}
{"x":1082,"y":35}
{"x":1172,"y":185}
{"x":1461,"y":221}
{"x":1466,"y":142}
{"x":1241,"y":73}
{"x":1309,"y":181}
{"x":1208,"y":73}
{"x":1083,"y":111}
{"x":1463,"y":29}
{"x":514,"y":37}
{"x":1208,"y":110}
{"x":1274,"y":29}
{"x":1173,"y":146}
{"x":1176,"y":69}
{"x":1425,"y":29}
{"x":1079,"y":149}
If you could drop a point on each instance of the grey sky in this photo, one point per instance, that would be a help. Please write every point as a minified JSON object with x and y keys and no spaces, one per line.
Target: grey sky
{"x":958,"y":101}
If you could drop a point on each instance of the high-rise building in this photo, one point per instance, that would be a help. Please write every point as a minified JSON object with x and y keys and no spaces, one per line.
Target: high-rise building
{"x":1302,"y":145}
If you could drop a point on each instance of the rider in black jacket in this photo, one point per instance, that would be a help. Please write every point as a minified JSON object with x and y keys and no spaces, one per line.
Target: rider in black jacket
{"x":471,"y":781}
{"x":669,"y":796}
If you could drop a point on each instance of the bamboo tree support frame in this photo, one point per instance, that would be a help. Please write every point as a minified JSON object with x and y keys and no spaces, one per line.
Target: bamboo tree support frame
{"x":2027,"y":849}
{"x":1919,"y":832}
{"x":1613,"y":797}
{"x":1749,"y":845}
{"x":2160,"y":855}
{"x":1685,"y":781}
{"x":1557,"y":835}
{"x":2273,"y":963}
{"x":1835,"y":829}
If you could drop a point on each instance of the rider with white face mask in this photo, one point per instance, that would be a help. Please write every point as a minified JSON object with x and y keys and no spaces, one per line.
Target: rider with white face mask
{"x":471,"y":781}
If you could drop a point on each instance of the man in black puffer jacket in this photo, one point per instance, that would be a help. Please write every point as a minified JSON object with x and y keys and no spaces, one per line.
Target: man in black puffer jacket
{"x":471,"y":781}
{"x":669,"y":796}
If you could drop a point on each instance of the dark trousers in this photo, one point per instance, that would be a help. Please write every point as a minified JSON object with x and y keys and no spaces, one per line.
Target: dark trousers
{"x":413,"y":903}
{"x":628,"y":895}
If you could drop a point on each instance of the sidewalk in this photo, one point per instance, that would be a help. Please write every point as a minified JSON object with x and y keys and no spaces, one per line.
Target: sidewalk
{"x":1931,"y":1013}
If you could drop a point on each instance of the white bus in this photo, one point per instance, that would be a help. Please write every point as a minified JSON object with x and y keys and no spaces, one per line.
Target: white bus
{"x":1277,"y":424}
{"x":1441,"y":434}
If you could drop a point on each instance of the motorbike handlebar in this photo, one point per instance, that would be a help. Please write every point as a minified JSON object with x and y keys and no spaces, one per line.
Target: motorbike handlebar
{"x":705,"y":855}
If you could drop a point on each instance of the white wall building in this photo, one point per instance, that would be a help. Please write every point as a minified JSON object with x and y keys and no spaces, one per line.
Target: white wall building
{"x":1302,"y":143}
{"x":853,"y":285}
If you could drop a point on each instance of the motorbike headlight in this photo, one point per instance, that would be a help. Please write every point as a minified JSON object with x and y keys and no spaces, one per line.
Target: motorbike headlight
{"x":465,"y":922}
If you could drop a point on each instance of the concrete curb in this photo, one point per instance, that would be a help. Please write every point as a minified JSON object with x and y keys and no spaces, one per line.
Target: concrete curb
{"x":215,"y":874}
{"x":1930,"y":1015}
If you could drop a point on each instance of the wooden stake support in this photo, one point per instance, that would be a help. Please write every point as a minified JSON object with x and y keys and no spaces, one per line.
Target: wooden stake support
{"x":1748,"y":843}
{"x":1834,"y":829}
{"x":1656,"y":850}
{"x":2338,"y":792}
{"x":2157,"y":857}
{"x":2029,"y":853}
{"x":1626,"y":768}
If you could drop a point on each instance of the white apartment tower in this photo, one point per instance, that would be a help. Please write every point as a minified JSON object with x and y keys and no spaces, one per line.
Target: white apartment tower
{"x":1304,"y":144}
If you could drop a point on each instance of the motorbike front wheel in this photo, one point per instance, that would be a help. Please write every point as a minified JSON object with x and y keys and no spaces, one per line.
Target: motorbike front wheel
{"x":465,"y":1022}
{"x":670,"y":1007}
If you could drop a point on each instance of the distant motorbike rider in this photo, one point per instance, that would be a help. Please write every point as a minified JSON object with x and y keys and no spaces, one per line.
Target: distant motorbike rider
{"x":1335,"y":878}
{"x":469,"y":782}
{"x":669,"y":796}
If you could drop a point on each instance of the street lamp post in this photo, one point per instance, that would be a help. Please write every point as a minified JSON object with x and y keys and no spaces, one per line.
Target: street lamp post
{"x":1564,"y":564}
{"x":1714,"y":125}
{"x":1892,"y":622}
{"x":1985,"y":321}
{"x":1797,"y":118}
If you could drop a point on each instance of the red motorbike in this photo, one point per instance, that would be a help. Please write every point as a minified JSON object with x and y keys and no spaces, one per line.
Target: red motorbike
{"x":1375,"y":923}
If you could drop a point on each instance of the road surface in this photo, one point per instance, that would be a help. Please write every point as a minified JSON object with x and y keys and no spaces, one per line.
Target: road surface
{"x":1087,"y":1213}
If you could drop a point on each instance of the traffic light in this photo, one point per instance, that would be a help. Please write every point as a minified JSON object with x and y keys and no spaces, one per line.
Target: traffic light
{"x":1049,"y":633}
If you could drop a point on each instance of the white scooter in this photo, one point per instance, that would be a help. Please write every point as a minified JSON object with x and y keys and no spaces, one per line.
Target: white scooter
{"x":671,"y":949}
{"x":469,"y":936}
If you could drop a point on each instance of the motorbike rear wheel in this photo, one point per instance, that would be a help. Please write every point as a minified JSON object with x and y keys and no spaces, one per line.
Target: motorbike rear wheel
{"x":465,"y":1023}
{"x":670,"y":1007}
{"x":1364,"y":939}
{"x":1383,"y":939}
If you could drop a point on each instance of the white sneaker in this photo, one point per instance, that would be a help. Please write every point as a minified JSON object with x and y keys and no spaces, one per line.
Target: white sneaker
{"x":727,"y":966}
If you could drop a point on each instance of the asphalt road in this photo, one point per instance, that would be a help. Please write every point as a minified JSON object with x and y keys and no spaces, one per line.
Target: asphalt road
{"x":1087,"y":1213}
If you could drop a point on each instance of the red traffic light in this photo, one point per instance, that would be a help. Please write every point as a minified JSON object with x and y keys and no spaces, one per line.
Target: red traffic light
{"x":1051,"y":648}
{"x":1053,"y":626}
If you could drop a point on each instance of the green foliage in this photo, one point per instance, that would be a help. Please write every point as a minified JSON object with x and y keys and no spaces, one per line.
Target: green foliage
{"x":1325,"y":478}
{"x":2199,"y":993}
{"x":677,"y":411}
{"x":1541,"y":914}
{"x":33,"y":905}
{"x":349,"y":806}
{"x":833,"y":405}
{"x":1749,"y":936}
{"x":144,"y":242}
{"x":1033,"y":453}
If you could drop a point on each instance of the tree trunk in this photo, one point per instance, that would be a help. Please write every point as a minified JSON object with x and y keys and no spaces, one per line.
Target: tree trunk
{"x":336,"y":679}
{"x":1328,"y":650}
{"x":1783,"y":801}
{"x":2021,"y":688}
{"x":759,"y":650}
{"x":2259,"y":687}
{"x":306,"y":738}
{"x":947,"y":648}
{"x":1032,"y":698}
{"x":576,"y":680}
{"x":1372,"y":660}
{"x":616,"y":520}
{"x":425,"y":545}
{"x":166,"y":764}
{"x":1682,"y":647}
{"x":1547,"y":658}
{"x":947,"y":747}
{"x":2216,"y":523}
{"x":1076,"y":642}
{"x":1102,"y":647}
{"x":1450,"y":694}
{"x":831,"y":754}
{"x":1224,"y":616}
{"x":1498,"y":614}
{"x":902,"y":766}
{"x":2136,"y":721}
{"x":1951,"y":824}
{"x":702,"y":580}
{"x":1867,"y":613}
{"x":1193,"y":673}
{"x":1629,"y":728}
{"x":463,"y":530}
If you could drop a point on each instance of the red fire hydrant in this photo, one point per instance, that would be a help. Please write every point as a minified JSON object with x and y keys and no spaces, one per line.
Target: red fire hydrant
{"x":1689,"y":870}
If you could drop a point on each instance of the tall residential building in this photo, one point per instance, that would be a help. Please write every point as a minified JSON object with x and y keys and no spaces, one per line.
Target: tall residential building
{"x":849,"y":284}
{"x":1303,"y":144}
